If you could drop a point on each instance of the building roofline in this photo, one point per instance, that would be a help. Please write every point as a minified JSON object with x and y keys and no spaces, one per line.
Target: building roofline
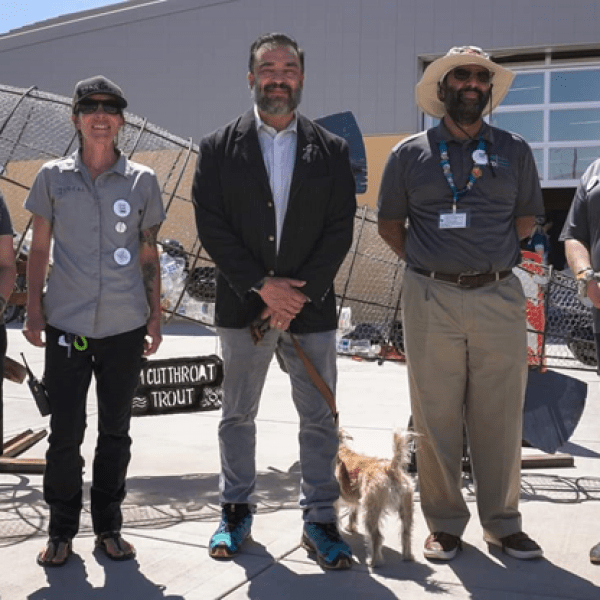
{"x":79,"y":16}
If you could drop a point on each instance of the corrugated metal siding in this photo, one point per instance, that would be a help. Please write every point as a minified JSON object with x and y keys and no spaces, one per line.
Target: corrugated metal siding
{"x":183,"y":63}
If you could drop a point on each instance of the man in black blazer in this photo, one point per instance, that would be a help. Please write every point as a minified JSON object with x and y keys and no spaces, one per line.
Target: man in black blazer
{"x":275,"y":200}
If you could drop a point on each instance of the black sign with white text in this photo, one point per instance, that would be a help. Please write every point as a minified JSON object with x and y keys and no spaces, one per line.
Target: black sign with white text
{"x":177,"y":385}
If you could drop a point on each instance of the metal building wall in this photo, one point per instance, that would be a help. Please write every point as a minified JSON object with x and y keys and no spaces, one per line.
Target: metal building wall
{"x":182,"y":63}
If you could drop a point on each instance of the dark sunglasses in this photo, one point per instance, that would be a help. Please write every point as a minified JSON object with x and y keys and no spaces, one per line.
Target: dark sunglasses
{"x":89,"y":107}
{"x":461,"y":74}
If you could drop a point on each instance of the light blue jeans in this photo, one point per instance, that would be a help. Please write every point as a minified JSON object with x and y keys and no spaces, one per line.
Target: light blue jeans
{"x":245,"y":368}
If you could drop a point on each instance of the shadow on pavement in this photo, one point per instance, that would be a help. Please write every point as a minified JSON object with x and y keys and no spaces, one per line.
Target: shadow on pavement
{"x":557,"y":489}
{"x":529,"y":579}
{"x":278,"y":580}
{"x":123,"y":581}
{"x":159,"y":502}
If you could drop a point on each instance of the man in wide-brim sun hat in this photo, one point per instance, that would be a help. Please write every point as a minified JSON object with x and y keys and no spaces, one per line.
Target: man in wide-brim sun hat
{"x":470,"y":192}
{"x":427,"y":89}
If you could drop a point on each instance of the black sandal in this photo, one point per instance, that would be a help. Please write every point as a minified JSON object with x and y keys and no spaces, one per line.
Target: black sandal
{"x":54,"y":546}
{"x":119,"y":543}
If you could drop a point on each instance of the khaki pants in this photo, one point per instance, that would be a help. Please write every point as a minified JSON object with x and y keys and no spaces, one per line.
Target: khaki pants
{"x":467,"y":363}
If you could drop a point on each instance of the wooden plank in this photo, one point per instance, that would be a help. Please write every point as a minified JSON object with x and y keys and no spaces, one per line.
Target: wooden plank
{"x":18,"y":437}
{"x":22,"y":465}
{"x":14,"y":448}
{"x":547,"y":461}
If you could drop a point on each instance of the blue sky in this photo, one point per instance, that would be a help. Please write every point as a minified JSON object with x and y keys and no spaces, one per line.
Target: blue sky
{"x":18,"y":13}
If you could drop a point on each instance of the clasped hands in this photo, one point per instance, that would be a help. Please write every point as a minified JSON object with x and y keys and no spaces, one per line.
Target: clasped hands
{"x":283,"y":300}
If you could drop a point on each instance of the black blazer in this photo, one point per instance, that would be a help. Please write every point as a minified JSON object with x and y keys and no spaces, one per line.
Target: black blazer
{"x":235,"y":217}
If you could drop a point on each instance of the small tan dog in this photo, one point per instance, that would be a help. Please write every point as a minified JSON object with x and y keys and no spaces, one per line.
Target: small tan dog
{"x":376,"y":486}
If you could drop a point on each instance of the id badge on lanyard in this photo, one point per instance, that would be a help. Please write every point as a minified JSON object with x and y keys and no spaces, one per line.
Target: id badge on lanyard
{"x":460,"y":218}
{"x":454,"y":219}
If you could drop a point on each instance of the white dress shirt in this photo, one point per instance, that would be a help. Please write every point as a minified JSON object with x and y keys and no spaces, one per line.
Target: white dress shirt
{"x":279,"y":155}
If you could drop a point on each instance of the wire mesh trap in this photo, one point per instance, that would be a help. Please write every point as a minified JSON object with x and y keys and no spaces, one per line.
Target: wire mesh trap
{"x":36,"y":127}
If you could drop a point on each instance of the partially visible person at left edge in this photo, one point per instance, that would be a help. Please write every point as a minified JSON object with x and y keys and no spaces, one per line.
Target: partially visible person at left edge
{"x":103,"y":298}
{"x":8,"y":273}
{"x":581,"y":235}
{"x":275,"y":204}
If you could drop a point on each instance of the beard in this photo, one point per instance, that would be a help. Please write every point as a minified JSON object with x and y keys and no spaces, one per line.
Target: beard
{"x":276,"y":106}
{"x":465,"y":111}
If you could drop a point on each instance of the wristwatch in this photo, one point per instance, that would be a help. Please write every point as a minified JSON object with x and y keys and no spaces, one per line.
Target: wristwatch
{"x":583,"y":277}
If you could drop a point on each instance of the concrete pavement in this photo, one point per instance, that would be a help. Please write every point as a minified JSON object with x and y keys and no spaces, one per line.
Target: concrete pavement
{"x":172,"y":507}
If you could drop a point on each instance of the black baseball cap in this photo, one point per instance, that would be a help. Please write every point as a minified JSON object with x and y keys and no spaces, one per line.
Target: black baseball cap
{"x":98,"y":85}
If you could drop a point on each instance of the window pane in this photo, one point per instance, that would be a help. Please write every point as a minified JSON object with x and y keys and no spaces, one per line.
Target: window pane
{"x":526,"y":88}
{"x":576,"y":124}
{"x":570,"y":163}
{"x":575,"y":86}
{"x":538,"y":155}
{"x":529,"y":124}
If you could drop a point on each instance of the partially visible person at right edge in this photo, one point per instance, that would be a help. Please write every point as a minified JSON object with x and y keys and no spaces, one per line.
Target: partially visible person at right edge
{"x":581,"y":235}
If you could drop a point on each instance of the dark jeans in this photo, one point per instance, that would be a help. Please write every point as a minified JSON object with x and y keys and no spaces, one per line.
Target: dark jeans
{"x":115,"y":362}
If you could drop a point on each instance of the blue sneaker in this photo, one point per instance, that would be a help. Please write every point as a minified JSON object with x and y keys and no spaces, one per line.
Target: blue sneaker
{"x":325,"y":541}
{"x":236,"y":521}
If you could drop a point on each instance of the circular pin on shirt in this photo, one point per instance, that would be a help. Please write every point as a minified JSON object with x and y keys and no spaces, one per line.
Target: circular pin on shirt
{"x":122,"y":256}
{"x":121,"y":227}
{"x":480,"y":157}
{"x":122,"y":208}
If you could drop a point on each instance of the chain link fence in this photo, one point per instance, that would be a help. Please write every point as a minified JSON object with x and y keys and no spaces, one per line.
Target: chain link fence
{"x":569,"y":337}
{"x":36,"y":127}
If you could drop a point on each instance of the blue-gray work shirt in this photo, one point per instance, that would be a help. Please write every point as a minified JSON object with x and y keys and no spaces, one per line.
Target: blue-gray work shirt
{"x":414,"y":186}
{"x":95,"y":287}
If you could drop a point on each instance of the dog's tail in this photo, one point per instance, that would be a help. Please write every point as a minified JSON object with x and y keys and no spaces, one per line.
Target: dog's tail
{"x":401,"y":448}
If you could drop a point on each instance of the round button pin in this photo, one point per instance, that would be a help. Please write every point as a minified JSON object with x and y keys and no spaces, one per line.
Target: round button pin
{"x":122,"y":208}
{"x":480,"y":157}
{"x":122,"y":256}
{"x":121,"y":227}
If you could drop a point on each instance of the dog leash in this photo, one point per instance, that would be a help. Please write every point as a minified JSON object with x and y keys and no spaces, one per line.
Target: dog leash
{"x":259,"y":328}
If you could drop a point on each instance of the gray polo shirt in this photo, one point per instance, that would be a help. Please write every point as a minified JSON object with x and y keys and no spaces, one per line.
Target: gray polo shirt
{"x":95,"y":286}
{"x":414,"y":186}
{"x":583,"y":221}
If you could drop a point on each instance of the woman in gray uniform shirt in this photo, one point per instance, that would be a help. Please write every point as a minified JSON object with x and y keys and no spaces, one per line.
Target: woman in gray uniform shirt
{"x":102,"y":300}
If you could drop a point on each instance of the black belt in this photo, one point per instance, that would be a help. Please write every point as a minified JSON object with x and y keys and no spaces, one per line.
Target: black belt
{"x":464,"y":279}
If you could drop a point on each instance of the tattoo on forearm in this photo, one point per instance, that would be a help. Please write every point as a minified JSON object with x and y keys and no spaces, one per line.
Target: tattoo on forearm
{"x":149,"y":267}
{"x":149,"y":276}
{"x":148,"y":236}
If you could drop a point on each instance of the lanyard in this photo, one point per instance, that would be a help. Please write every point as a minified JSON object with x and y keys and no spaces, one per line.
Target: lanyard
{"x":479,"y":157}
